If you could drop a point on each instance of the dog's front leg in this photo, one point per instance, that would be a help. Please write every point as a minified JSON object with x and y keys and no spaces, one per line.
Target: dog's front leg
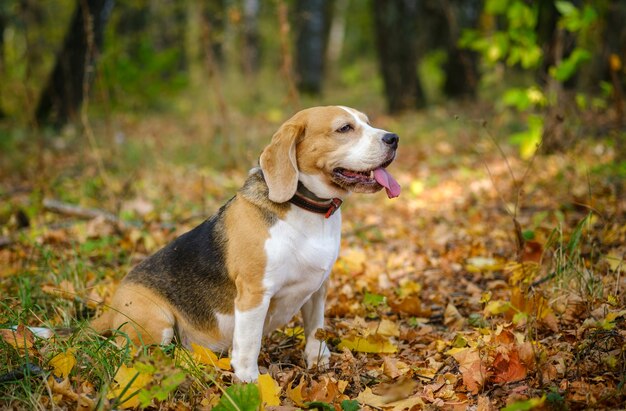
{"x":316,"y":352}
{"x":247,"y":338}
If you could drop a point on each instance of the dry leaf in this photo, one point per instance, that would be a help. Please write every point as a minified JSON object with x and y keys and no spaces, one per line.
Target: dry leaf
{"x":63,"y":363}
{"x":452,"y":318}
{"x":508,"y":369}
{"x":370,"y":344}
{"x":387,"y":328}
{"x":64,"y":289}
{"x":128,"y":381}
{"x":22,"y":339}
{"x":205,"y":356}
{"x":295,"y":393}
{"x":269,"y":389}
{"x":471,"y":367}
{"x":325,"y":390}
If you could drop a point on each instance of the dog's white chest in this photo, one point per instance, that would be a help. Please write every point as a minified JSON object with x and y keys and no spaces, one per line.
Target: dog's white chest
{"x":301,"y":251}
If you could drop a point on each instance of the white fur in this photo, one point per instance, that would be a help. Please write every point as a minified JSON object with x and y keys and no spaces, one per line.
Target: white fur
{"x":369,"y":151}
{"x":301,"y":251}
{"x":167,"y":335}
{"x":317,"y":186}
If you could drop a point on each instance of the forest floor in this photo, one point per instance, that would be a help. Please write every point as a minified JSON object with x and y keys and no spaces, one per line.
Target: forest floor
{"x":490,"y":282}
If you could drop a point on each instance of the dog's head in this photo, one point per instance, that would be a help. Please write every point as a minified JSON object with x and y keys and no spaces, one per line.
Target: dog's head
{"x":332,"y":150}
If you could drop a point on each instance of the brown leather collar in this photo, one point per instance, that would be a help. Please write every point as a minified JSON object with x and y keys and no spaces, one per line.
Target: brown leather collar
{"x":327,"y":209}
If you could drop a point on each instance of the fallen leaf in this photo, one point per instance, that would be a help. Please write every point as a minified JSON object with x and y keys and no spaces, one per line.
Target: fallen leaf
{"x":452,"y":318}
{"x":367,"y":397}
{"x":128,"y":381}
{"x":393,"y":368}
{"x":325,"y":390}
{"x":371,"y":344}
{"x":509,"y":368}
{"x":471,"y":366}
{"x":479,"y":264}
{"x":63,"y":388}
{"x":387,"y":328}
{"x":22,"y":339}
{"x":269,"y":390}
{"x":64,"y":289}
{"x":295,"y":393}
{"x":63,"y":363}
{"x":496,"y":307}
{"x":205,"y":356}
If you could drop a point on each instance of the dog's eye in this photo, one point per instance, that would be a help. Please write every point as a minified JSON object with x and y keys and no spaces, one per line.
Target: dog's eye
{"x":345,"y":129}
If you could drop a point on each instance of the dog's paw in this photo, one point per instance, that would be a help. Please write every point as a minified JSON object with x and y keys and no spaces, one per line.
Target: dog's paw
{"x":249,"y":374}
{"x":246,"y":369}
{"x":317,"y":354}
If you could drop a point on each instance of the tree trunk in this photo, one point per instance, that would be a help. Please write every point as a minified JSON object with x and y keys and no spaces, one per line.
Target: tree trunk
{"x":214,"y":20}
{"x":74,"y":69}
{"x":3,"y":23}
{"x":312,"y":23}
{"x":461,"y":67}
{"x":251,"y":40}
{"x":396,"y":29}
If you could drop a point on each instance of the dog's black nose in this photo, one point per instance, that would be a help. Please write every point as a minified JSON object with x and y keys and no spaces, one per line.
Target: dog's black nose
{"x":391,"y":139}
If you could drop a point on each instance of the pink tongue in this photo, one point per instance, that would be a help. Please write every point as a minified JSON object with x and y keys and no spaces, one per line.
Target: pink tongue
{"x":386,"y":180}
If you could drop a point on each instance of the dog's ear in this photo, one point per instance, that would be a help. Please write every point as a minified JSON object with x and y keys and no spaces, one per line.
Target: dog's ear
{"x":278,"y":160}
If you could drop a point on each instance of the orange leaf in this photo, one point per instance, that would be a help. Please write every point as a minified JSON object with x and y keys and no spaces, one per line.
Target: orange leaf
{"x":508,"y":370}
{"x":471,"y":367}
{"x":21,"y":339}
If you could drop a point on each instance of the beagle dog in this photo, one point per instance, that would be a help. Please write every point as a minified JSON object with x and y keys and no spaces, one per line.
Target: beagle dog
{"x":267,"y":253}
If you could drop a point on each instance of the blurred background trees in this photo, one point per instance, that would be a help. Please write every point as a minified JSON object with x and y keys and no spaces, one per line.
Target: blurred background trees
{"x":551,"y":62}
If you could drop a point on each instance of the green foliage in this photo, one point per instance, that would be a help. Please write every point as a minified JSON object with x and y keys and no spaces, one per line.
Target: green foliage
{"x":515,"y":43}
{"x":529,"y":404}
{"x":320,"y":406}
{"x":161,"y":391}
{"x":144,"y":77}
{"x":529,"y":139}
{"x":350,"y":405}
{"x":240,"y":397}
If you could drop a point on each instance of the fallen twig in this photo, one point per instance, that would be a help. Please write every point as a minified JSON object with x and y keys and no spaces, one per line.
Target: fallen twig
{"x":60,"y":207}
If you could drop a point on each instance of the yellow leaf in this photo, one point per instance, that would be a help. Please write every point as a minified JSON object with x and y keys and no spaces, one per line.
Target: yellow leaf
{"x":295,"y":393}
{"x":352,"y":260}
{"x":269,"y":389}
{"x":63,"y":363}
{"x":296,"y":332}
{"x":388,"y":328}
{"x":408,"y":287}
{"x":128,"y":382}
{"x":496,"y":307}
{"x":614,"y":259}
{"x":479,"y":264}
{"x":371,"y":344}
{"x":204,"y":355}
{"x":367,"y":397}
{"x":417,"y":187}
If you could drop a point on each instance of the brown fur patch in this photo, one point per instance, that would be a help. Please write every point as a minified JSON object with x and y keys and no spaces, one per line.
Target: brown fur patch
{"x":247,"y":231}
{"x":139,"y":312}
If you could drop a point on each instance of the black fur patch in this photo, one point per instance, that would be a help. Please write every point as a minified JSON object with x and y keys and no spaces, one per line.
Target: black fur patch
{"x":190,"y":270}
